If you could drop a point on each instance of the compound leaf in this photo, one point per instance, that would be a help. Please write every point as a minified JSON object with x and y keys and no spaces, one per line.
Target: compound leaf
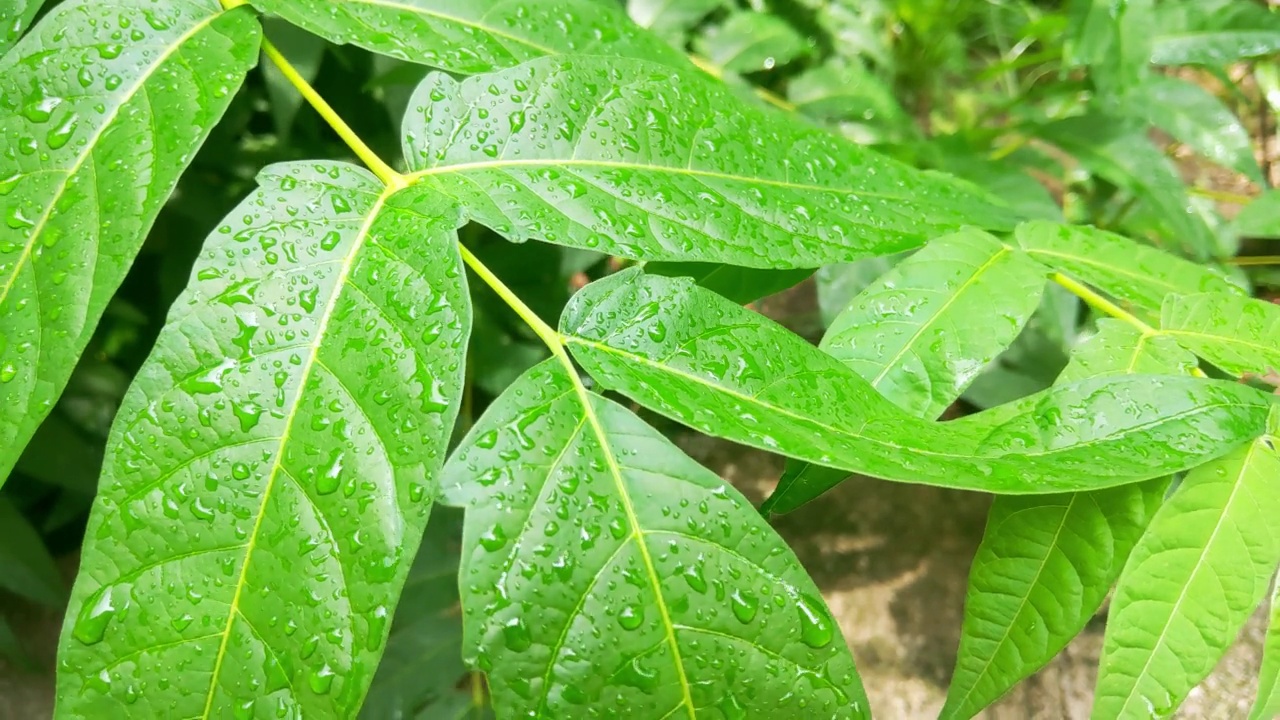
{"x":294,"y":414}
{"x":1046,"y":562}
{"x":1193,"y":580}
{"x":1120,"y":267}
{"x":475,"y":36}
{"x":1238,"y":334}
{"x":704,"y":361}
{"x":624,"y":157}
{"x":85,"y":103}
{"x":659,"y":588}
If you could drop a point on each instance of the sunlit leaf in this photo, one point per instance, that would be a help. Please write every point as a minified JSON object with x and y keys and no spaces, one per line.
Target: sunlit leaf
{"x":1192,"y":115}
{"x":271,"y":469}
{"x":659,"y":589}
{"x":1193,"y":580}
{"x":80,"y":113}
{"x":1268,"y":703}
{"x":634,"y":161}
{"x":751,"y":41}
{"x":1047,"y":562}
{"x":715,"y":366}
{"x":1118,"y":266}
{"x":1238,"y":334}
{"x":475,"y":36}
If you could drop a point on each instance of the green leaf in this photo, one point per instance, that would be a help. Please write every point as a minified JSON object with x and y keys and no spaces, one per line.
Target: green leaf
{"x":1268,"y":703}
{"x":421,"y":670}
{"x":271,"y":469}
{"x":1047,"y":562}
{"x":739,"y":284}
{"x":1238,"y":334}
{"x":1122,"y":154}
{"x":751,"y":41}
{"x":1192,"y":115}
{"x":1260,"y":218}
{"x":475,"y":36}
{"x":15,"y":19}
{"x":1216,"y":33}
{"x":671,"y":19}
{"x":687,"y":353}
{"x":839,"y":91}
{"x":924,"y":330}
{"x":81,"y":109}
{"x":26,"y":568}
{"x":1112,"y":37}
{"x":1003,"y":179}
{"x":623,"y":157}
{"x":304,"y":51}
{"x":1118,"y":266}
{"x":838,"y":284}
{"x":1191,"y":583}
{"x":661,"y":589}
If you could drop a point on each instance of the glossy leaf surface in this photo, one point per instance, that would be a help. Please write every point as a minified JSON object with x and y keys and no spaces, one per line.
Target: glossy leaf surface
{"x":1191,"y":583}
{"x":693,"y":356}
{"x":271,"y":468}
{"x":750,"y":42}
{"x":1118,"y":266}
{"x":81,"y":109}
{"x":1047,"y":562}
{"x":922,"y":332}
{"x":623,"y":157}
{"x":475,"y":36}
{"x":739,"y":284}
{"x":1238,"y":334}
{"x":658,"y":589}
{"x":1267,"y":704}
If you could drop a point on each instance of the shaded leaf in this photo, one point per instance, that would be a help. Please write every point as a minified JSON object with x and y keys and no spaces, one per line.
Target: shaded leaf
{"x":840,"y":282}
{"x":80,"y":112}
{"x":1122,"y":154}
{"x":722,"y":369}
{"x":1267,"y":704}
{"x":704,"y":178}
{"x":739,"y":284}
{"x":1260,"y":218}
{"x":1192,"y":115}
{"x":26,"y":567}
{"x":475,"y":36}
{"x":304,"y":51}
{"x":1118,"y":266}
{"x":293,"y":415}
{"x":1238,"y":334}
{"x":659,"y":587}
{"x":1047,"y":562}
{"x":1193,"y":580}
{"x":844,"y":91}
{"x":751,"y":41}
{"x":1216,"y":33}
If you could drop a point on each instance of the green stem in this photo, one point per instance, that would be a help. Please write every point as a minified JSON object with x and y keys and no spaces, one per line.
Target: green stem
{"x":1247,"y":260}
{"x":1221,"y":196}
{"x":545,"y":332}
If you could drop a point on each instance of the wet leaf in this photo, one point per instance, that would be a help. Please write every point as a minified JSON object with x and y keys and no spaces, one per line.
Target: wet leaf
{"x":658,"y":588}
{"x":1127,"y":270}
{"x":271,"y":468}
{"x":475,"y":36}
{"x":1047,"y":562}
{"x":686,"y":353}
{"x":1238,"y":334}
{"x":16,"y":20}
{"x":80,"y":111}
{"x":1268,"y":703}
{"x":1193,"y":580}
{"x":751,"y":41}
{"x":1192,"y":115}
{"x":623,"y":157}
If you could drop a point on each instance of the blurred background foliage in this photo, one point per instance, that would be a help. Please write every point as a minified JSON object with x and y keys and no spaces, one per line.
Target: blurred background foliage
{"x":1153,"y":118}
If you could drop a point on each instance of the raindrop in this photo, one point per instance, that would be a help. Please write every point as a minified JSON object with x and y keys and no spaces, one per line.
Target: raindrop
{"x":816,"y":628}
